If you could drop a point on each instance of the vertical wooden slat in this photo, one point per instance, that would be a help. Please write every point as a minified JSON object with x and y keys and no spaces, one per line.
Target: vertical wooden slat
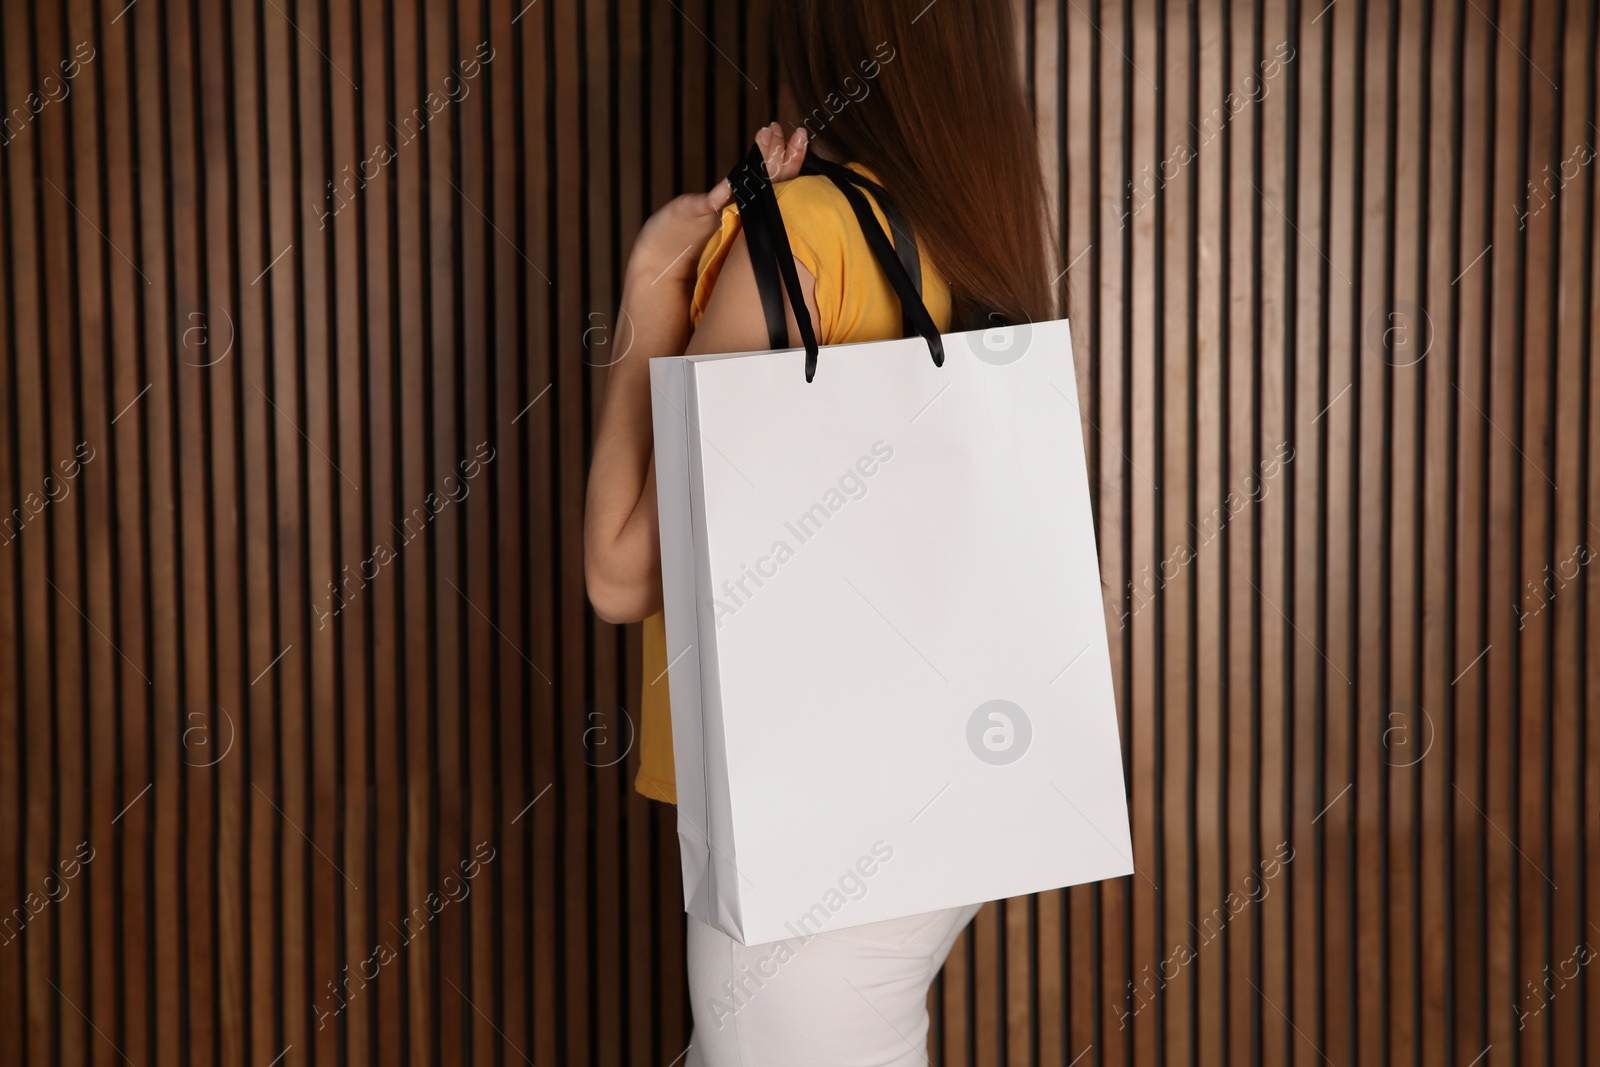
{"x":1173,"y":237}
{"x":1507,"y":500}
{"x":258,"y":754}
{"x":291,"y":794}
{"x":13,"y":829}
{"x":378,"y":213}
{"x":35,"y":600}
{"x":97,"y":901}
{"x":166,"y":553}
{"x":412,"y":586}
{"x":334,"y":242}
{"x":1536,"y":789}
{"x":546,"y":982}
{"x":1112,"y":409}
{"x":1302,"y":55}
{"x":602,"y":154}
{"x":1432,"y":735}
{"x":459,"y":76}
{"x":1408,"y":167}
{"x":1141,"y":398}
{"x":1588,"y":993}
{"x":446,"y":540}
{"x":214,"y":360}
{"x":1565,"y":47}
{"x":571,"y":171}
{"x":72,"y":646}
{"x":1205,"y":523}
{"x":192,"y":936}
{"x":1472,"y":280}
{"x":1341,"y":797}
{"x":1588,"y":741}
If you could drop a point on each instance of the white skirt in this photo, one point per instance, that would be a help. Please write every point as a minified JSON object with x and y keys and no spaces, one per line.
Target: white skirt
{"x":855,"y":997}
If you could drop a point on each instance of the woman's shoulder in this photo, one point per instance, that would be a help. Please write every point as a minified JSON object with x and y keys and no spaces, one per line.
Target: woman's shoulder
{"x":812,"y":202}
{"x":819,"y":221}
{"x":854,"y":299}
{"x":813,"y":197}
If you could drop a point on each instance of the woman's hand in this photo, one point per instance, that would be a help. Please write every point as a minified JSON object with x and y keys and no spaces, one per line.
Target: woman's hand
{"x":665,"y":248}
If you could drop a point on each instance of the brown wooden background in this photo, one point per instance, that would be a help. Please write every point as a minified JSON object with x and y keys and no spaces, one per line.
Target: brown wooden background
{"x":264,"y":395}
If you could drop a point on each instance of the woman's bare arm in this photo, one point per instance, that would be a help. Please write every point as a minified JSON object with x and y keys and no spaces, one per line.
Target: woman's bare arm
{"x":621,"y":545}
{"x":621,"y":552}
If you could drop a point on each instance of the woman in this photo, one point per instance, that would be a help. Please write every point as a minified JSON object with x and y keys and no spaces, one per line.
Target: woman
{"x":927,"y":100}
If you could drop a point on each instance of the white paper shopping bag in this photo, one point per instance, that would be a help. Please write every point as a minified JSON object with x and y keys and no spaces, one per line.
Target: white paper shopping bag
{"x":890,"y":680}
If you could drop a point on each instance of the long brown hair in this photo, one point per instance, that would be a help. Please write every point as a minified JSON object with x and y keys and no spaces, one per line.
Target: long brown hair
{"x":930,"y":98}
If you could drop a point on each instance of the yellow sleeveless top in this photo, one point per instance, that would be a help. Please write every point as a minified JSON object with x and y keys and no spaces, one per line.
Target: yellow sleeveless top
{"x":854,"y":303}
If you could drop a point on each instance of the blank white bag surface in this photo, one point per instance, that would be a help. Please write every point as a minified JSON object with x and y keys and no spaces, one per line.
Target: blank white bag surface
{"x":831,"y":702}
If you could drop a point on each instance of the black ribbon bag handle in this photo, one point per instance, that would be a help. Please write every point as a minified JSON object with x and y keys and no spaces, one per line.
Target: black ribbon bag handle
{"x":772,"y":258}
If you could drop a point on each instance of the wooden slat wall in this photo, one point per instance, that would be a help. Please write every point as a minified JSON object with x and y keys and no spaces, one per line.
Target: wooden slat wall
{"x":280,"y":693}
